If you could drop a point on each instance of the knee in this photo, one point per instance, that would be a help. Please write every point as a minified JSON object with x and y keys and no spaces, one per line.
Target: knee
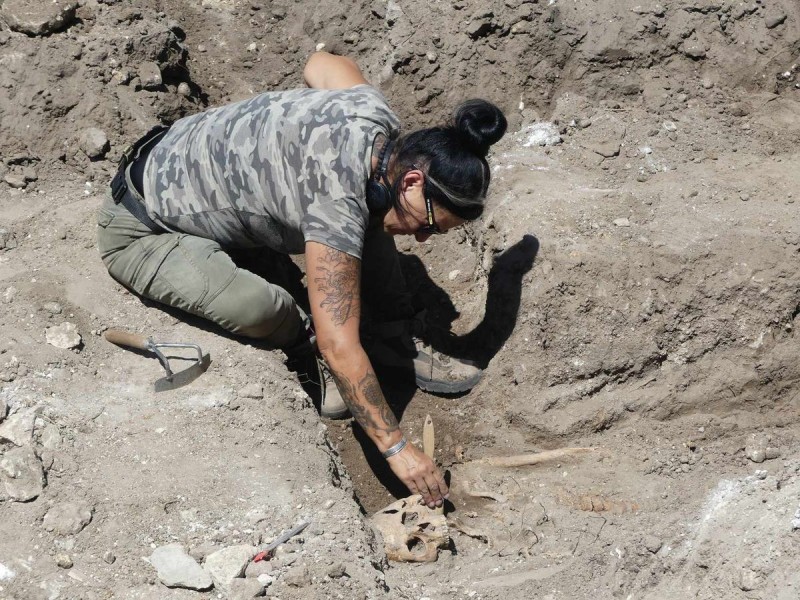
{"x":263,"y":311}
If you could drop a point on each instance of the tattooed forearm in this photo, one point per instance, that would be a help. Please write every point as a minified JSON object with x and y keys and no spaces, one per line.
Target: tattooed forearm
{"x":373,"y":414}
{"x":337,"y":278}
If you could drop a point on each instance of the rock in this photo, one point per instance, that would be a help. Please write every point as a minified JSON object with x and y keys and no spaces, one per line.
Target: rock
{"x":749,"y":580}
{"x":150,"y":76}
{"x":15,"y":180}
{"x":178,"y":569}
{"x":252,"y":390}
{"x":244,"y":589}
{"x":298,"y":577}
{"x":54,"y":308}
{"x":478,"y":28}
{"x":268,"y":580}
{"x":108,"y":557}
{"x":229,"y":563}
{"x":9,"y":294}
{"x":30,"y":174}
{"x":336,"y":571}
{"x":652,"y":543}
{"x":8,"y":240}
{"x":22,"y":474}
{"x":623,"y":222}
{"x":542,"y":134}
{"x":3,"y":409}
{"x":772,"y":20}
{"x":758,"y":450}
{"x":64,"y":561}
{"x":64,"y":336}
{"x":94,"y":143}
{"x":255,"y":569}
{"x":68,"y":518}
{"x":695,"y":51}
{"x":50,"y":438}
{"x":35,"y":17}
{"x":605,"y":149}
{"x":18,"y":428}
{"x":184,"y":89}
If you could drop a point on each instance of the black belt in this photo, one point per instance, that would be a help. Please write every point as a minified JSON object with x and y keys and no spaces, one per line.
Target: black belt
{"x":127,"y":195}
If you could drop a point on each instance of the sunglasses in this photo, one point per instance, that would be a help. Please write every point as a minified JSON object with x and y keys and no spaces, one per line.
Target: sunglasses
{"x":430,"y":228}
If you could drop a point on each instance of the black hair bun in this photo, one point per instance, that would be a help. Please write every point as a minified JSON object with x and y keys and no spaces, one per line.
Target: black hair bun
{"x":481,"y":124}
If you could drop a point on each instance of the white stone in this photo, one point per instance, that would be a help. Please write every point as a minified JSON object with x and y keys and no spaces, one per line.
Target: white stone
{"x":50,"y":437}
{"x":94,"y":142}
{"x":68,"y":518}
{"x":18,"y":428}
{"x":229,"y":563}
{"x":623,"y":222}
{"x":6,"y":574}
{"x":64,"y":336}
{"x":22,"y":474}
{"x":542,"y":134}
{"x":177,"y":569}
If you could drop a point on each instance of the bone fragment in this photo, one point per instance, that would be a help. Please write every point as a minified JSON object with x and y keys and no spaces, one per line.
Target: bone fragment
{"x":522,"y":460}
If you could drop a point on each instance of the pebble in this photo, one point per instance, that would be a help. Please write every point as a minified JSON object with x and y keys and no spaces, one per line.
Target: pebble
{"x":744,"y":197}
{"x":749,"y":580}
{"x":34,"y":17}
{"x":184,"y":89}
{"x":297,"y":577}
{"x":623,"y":222}
{"x":9,"y":294}
{"x":694,"y":51}
{"x":336,"y":571}
{"x":22,"y":474}
{"x":653,"y":544}
{"x":3,"y":409}
{"x":50,"y":438}
{"x":64,"y":561}
{"x":266,"y":580}
{"x":669,"y":126}
{"x":256,"y":569}
{"x":244,"y":589}
{"x":229,"y":563}
{"x":68,"y":518}
{"x":150,"y":75}
{"x":64,"y":336}
{"x":761,"y":474}
{"x":54,"y":308}
{"x":15,"y":180}
{"x":94,"y":143}
{"x":108,"y":557}
{"x":18,"y":428}
{"x":177,"y":569}
{"x":608,"y":149}
{"x":774,"y":19}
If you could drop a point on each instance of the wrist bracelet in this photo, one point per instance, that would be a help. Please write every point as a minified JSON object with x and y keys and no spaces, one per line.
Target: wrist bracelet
{"x":396,"y":449}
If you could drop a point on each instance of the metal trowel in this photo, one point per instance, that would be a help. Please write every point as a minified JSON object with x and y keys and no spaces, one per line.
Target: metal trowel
{"x":172,"y":380}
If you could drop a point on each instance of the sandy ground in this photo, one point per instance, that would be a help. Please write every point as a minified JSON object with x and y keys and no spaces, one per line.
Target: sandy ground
{"x":634,"y":288}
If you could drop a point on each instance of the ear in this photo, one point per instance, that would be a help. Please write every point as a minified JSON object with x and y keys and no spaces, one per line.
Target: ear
{"x":411,"y":179}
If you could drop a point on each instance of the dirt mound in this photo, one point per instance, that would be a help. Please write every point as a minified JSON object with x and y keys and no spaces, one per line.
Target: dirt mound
{"x":633,"y":288}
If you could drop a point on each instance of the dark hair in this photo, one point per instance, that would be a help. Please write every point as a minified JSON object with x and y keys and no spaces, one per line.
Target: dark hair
{"x":454,"y":157}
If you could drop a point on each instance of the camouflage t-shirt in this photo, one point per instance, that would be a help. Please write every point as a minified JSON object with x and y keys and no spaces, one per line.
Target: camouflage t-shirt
{"x":277,"y":170}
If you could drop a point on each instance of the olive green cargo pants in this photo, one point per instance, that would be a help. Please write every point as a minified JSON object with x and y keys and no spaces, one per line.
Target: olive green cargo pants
{"x":198,"y":276}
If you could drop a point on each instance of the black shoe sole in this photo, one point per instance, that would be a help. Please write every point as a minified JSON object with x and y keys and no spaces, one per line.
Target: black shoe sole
{"x":448,"y":387}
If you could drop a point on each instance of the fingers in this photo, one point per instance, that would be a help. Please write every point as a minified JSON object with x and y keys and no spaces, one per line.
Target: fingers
{"x":420,"y":475}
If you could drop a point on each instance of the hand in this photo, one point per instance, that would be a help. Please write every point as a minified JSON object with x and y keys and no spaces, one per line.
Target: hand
{"x":420,"y":475}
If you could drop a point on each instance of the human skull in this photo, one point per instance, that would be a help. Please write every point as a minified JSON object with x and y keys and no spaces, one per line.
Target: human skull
{"x":411,"y":531}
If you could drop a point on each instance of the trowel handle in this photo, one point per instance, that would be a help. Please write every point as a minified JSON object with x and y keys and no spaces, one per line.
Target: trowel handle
{"x":125,"y":338}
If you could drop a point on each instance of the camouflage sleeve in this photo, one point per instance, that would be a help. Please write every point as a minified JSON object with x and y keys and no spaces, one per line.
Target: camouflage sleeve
{"x":338,"y":223}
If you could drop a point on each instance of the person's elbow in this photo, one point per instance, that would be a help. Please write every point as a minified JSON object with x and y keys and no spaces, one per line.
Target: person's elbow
{"x":337,"y":349}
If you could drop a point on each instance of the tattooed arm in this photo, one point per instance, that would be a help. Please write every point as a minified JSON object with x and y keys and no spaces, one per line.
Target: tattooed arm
{"x":334,"y":289}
